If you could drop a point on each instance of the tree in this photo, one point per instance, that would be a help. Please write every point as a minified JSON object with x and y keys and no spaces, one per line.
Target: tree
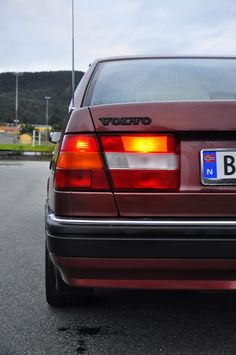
{"x":27,"y":128}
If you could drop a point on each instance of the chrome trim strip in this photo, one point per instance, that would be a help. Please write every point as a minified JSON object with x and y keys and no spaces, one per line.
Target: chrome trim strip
{"x":142,"y":223}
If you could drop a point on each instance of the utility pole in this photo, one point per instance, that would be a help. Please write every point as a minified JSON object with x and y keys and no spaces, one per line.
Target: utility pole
{"x":73,"y":57}
{"x":47,"y":98}
{"x":16,"y":121}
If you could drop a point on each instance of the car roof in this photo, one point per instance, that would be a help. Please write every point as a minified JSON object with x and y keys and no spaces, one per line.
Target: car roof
{"x":131,"y":57}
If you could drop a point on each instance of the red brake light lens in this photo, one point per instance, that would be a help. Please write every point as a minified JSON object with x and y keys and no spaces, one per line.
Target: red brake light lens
{"x":79,"y":143}
{"x":139,"y":144}
{"x":147,"y":179}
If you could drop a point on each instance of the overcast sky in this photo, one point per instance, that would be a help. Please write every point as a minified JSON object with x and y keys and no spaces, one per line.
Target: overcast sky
{"x":35,"y":35}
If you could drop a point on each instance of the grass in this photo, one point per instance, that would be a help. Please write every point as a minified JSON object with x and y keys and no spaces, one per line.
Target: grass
{"x":45,"y":148}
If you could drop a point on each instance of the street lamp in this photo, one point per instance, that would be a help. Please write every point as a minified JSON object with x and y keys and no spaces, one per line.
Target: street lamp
{"x":47,"y":98}
{"x":73,"y":57}
{"x":17,"y":95}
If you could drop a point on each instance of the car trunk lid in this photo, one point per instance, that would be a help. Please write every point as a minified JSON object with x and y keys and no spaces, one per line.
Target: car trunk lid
{"x":191,"y":127}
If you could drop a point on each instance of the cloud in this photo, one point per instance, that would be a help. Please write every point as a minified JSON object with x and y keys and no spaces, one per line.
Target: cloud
{"x":36,"y":35}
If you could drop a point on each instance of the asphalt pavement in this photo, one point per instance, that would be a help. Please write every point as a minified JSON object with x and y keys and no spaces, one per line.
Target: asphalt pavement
{"x":112,"y":322}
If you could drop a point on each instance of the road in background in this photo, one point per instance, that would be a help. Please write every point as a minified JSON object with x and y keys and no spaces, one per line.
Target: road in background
{"x":114,"y":322}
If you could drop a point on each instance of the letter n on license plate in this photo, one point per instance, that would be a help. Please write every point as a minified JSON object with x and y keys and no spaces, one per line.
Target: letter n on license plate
{"x":218,"y":166}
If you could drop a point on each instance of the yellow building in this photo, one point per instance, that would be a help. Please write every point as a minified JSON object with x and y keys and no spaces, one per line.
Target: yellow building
{"x":25,"y":139}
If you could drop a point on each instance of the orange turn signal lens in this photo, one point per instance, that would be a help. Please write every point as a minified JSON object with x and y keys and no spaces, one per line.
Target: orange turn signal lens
{"x":68,"y":160}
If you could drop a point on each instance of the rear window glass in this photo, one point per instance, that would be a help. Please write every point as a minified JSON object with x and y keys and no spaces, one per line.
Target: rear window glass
{"x":150,"y":80}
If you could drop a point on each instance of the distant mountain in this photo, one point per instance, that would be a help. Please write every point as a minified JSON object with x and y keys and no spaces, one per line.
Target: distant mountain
{"x":33,"y":87}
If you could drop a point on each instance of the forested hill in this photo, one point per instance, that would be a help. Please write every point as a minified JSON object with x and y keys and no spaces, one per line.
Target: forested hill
{"x":33,"y":87}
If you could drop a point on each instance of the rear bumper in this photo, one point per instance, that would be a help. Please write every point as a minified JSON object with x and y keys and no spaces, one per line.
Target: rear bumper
{"x":144,"y":253}
{"x":141,"y":238}
{"x":148,"y":274}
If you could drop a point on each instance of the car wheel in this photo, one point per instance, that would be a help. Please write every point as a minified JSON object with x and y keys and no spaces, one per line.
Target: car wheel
{"x":58,"y":293}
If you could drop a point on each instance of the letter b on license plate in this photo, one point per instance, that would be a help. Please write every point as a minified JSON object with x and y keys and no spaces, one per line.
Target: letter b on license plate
{"x":218,"y":167}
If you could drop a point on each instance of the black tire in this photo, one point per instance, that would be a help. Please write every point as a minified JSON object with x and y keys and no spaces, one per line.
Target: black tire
{"x":58,"y":293}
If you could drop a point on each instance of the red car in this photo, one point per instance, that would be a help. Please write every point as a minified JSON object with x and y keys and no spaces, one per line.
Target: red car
{"x":142,"y":192}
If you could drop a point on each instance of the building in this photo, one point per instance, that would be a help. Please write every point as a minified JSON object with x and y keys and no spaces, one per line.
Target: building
{"x":9,"y":133}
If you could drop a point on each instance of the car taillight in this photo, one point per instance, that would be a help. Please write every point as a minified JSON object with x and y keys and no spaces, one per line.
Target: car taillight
{"x":142,"y":162}
{"x":79,"y":166}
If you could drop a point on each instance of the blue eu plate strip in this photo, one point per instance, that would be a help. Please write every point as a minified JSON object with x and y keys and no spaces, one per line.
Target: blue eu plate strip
{"x":209,"y":165}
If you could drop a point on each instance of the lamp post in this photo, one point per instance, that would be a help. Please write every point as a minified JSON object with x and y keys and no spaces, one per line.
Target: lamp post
{"x":73,"y":57}
{"x":47,"y":98}
{"x":17,"y":96}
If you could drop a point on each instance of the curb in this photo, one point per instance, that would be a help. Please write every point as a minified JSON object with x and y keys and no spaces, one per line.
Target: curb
{"x":9,"y":155}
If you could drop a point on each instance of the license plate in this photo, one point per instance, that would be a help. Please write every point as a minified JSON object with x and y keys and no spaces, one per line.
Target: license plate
{"x":218,"y":166}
